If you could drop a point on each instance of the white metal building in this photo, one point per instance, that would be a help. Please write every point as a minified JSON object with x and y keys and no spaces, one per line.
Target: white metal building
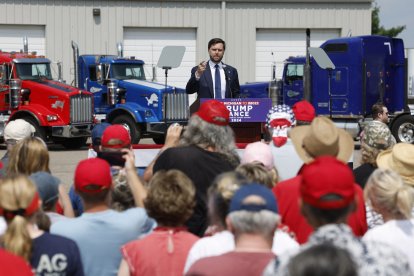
{"x":257,"y":33}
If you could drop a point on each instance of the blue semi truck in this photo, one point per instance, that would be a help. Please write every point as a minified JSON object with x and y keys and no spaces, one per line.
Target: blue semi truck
{"x":368,"y":69}
{"x":122,"y":95}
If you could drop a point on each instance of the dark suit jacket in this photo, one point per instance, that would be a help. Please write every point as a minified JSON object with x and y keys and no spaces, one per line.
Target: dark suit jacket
{"x":204,"y":86}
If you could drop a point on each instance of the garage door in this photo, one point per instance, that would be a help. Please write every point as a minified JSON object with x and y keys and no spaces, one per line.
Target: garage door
{"x":11,"y":38}
{"x":147,"y":44}
{"x":274,"y":46}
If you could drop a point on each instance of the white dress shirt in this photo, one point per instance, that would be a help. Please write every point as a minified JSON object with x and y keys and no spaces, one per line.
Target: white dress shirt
{"x":222,"y":77}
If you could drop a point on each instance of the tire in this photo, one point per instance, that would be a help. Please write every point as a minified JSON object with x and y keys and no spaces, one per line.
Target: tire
{"x":39,"y":131}
{"x":403,"y":129}
{"x":159,"y":140}
{"x":74,"y":143}
{"x":133,"y":128}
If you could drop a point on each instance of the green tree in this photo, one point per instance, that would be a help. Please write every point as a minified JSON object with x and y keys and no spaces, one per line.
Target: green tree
{"x":378,"y":29}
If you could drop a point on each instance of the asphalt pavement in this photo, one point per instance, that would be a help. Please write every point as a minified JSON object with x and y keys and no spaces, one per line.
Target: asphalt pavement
{"x":63,"y":162}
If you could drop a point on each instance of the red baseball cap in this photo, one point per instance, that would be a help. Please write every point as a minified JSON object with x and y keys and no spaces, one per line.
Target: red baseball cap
{"x":327,"y":183}
{"x":118,"y":132}
{"x":304,"y":111}
{"x":92,"y":172}
{"x":214,"y":112}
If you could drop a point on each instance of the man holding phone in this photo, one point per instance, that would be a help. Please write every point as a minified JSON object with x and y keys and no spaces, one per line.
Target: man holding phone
{"x":213,"y":78}
{"x":114,"y":139}
{"x":117,"y":151}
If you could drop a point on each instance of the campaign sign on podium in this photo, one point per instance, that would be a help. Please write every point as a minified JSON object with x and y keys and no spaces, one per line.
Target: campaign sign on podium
{"x":247,"y":116}
{"x":246,"y":110}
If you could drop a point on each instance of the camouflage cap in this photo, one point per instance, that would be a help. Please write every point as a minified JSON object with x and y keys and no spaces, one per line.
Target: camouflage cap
{"x":377,"y":135}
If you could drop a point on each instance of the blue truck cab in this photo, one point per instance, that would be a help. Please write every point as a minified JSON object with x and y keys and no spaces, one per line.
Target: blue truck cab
{"x":122,"y":95}
{"x":368,"y":69}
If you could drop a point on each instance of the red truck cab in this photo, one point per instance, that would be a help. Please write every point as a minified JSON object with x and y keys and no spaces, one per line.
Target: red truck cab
{"x":59,"y":112}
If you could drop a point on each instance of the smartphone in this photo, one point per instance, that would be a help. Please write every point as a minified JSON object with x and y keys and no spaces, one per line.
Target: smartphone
{"x":114,"y":158}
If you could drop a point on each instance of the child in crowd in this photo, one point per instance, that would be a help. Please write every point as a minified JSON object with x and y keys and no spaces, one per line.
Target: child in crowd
{"x":48,"y":254}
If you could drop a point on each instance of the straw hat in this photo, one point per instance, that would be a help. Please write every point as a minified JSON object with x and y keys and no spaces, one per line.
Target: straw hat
{"x":399,"y":159}
{"x":320,"y":138}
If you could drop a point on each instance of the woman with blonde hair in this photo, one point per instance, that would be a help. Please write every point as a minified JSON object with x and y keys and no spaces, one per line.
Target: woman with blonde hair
{"x":256,"y":172}
{"x":48,"y":254}
{"x":388,"y":195}
{"x":28,"y":156}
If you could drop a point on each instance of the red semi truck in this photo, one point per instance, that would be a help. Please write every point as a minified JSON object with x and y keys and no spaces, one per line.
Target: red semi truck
{"x":60,"y":113}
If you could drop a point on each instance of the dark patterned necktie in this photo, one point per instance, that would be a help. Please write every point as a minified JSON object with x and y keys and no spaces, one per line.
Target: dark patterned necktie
{"x":217,"y":83}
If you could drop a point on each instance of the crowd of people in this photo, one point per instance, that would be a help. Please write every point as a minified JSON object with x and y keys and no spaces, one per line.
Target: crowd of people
{"x":292,"y":205}
{"x":288,"y":206}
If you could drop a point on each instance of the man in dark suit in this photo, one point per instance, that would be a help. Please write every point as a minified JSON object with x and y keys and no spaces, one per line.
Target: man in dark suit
{"x":213,"y":78}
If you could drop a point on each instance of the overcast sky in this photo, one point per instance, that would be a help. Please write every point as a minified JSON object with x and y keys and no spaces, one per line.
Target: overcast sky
{"x":399,"y":12}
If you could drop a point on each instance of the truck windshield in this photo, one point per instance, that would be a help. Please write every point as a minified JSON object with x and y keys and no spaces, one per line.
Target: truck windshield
{"x":128,"y":71}
{"x":294,"y":72}
{"x":33,"y":71}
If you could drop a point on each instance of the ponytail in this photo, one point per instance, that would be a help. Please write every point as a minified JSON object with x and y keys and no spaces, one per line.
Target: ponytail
{"x":17,"y":239}
{"x":19,"y":202}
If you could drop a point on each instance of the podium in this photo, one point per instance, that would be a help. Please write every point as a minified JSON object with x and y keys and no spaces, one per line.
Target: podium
{"x":247,"y":117}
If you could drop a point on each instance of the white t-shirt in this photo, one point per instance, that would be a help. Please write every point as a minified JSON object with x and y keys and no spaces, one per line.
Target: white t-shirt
{"x":223,"y":242}
{"x":287,"y":161}
{"x":396,"y":233}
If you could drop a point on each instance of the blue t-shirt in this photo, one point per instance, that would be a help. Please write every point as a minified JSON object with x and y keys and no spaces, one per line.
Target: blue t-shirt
{"x":55,"y":255}
{"x":100,"y":236}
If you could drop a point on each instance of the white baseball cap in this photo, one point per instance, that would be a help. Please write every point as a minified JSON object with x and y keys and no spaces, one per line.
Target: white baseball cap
{"x":17,"y":130}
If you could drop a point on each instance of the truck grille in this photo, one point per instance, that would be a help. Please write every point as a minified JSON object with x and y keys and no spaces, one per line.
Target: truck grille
{"x":176,"y":106}
{"x":81,"y":109}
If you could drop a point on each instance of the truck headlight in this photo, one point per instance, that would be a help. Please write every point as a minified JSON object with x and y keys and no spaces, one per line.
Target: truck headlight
{"x":51,"y":118}
{"x":148,"y":113}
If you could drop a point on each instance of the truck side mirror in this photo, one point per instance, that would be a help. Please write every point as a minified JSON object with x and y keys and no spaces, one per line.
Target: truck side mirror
{"x":60,"y":78}
{"x":100,"y":73}
{"x":3,"y":74}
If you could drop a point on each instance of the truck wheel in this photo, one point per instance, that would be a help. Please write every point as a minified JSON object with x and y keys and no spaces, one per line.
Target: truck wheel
{"x":403,"y":129}
{"x":39,"y":131}
{"x":133,"y":128}
{"x":74,"y":143}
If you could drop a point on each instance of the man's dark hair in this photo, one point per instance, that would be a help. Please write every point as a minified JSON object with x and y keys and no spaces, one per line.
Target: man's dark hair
{"x":94,"y":198}
{"x":377,"y":109}
{"x":328,"y":216}
{"x":302,"y":123}
{"x":214,"y":41}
